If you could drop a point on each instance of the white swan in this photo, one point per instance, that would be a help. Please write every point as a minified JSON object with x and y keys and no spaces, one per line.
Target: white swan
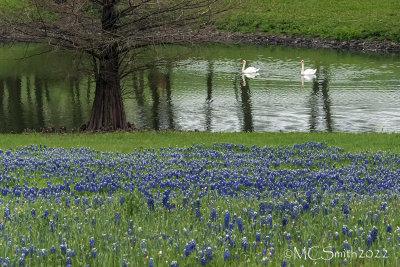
{"x":249,"y":69}
{"x":251,"y":75}
{"x":307,"y":71}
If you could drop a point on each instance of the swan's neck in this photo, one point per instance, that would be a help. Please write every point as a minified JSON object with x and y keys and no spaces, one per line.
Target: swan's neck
{"x":302,"y":68}
{"x":244,"y":64}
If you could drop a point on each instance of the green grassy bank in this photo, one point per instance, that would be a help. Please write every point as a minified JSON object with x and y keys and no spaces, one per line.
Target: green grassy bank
{"x":341,"y":20}
{"x":128,"y":142}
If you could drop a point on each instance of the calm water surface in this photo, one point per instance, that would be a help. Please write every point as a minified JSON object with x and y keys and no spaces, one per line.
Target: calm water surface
{"x":205,"y":90}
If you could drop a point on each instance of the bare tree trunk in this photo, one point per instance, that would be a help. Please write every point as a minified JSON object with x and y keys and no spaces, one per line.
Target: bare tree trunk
{"x":108,"y":109}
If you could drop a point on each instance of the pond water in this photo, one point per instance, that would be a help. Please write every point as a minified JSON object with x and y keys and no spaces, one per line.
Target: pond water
{"x":205,"y":90}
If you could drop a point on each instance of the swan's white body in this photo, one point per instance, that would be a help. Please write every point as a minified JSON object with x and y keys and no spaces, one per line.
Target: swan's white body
{"x":251,"y":75}
{"x":249,"y":69}
{"x":307,"y":71}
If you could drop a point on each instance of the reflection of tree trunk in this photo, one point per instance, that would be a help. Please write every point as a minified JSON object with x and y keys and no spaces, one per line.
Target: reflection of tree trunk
{"x":246,"y":106}
{"x":16,"y":118}
{"x":39,"y":100}
{"x":108,"y":109}
{"x":75,"y":102}
{"x":168,"y":88}
{"x":320,"y":89}
{"x":138,"y":88}
{"x":89,"y":85}
{"x":314,"y":106}
{"x":46,"y":89}
{"x":210,"y":75}
{"x":152,"y":78}
{"x":327,"y":101}
{"x":28,"y":90}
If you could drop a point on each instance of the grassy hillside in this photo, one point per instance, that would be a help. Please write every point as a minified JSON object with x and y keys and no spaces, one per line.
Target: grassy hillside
{"x":341,"y":19}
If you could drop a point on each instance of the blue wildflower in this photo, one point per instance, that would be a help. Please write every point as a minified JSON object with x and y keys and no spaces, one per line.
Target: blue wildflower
{"x":240,"y":224}
{"x":213,"y":215}
{"x":227,"y":218}
{"x":94,"y":253}
{"x":284,"y":221}
{"x":226,"y":254}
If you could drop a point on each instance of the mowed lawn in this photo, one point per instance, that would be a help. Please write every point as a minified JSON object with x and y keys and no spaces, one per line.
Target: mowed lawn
{"x":342,"y":19}
{"x":128,"y":142}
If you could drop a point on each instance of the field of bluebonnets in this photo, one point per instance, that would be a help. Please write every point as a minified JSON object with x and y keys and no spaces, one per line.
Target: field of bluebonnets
{"x":224,"y":205}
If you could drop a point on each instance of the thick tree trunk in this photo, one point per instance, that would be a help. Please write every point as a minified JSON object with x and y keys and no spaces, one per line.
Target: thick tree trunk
{"x":108,"y":109}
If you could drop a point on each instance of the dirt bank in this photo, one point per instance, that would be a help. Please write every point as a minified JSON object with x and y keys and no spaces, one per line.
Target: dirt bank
{"x":383,"y":47}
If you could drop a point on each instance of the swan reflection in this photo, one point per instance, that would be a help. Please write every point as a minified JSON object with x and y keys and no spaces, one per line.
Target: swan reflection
{"x":307,"y":78}
{"x":248,"y":75}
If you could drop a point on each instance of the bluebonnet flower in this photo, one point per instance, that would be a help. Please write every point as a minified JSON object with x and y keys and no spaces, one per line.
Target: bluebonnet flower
{"x":117,"y":219}
{"x":63,"y":248}
{"x":245,"y":244}
{"x":227,"y":218}
{"x":369,"y":241}
{"x":33,"y":213}
{"x":174,"y":264}
{"x":151,"y":262}
{"x":46,"y":213}
{"x":198,"y":214}
{"x":345,"y":208}
{"x":258,"y":237}
{"x":227,"y":254}
{"x":288,"y":237}
{"x":209,"y":253}
{"x":284,"y":221}
{"x":336,"y":235}
{"x":189,"y":247}
{"x":262,"y":208}
{"x":266,"y":240}
{"x":346,"y":245}
{"x":240,"y":224}
{"x":92,"y":242}
{"x":203,"y":261}
{"x":71,"y":253}
{"x":345,"y":230}
{"x":150,"y":203}
{"x":94,"y":252}
{"x":374,"y":233}
{"x":213,"y":215}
